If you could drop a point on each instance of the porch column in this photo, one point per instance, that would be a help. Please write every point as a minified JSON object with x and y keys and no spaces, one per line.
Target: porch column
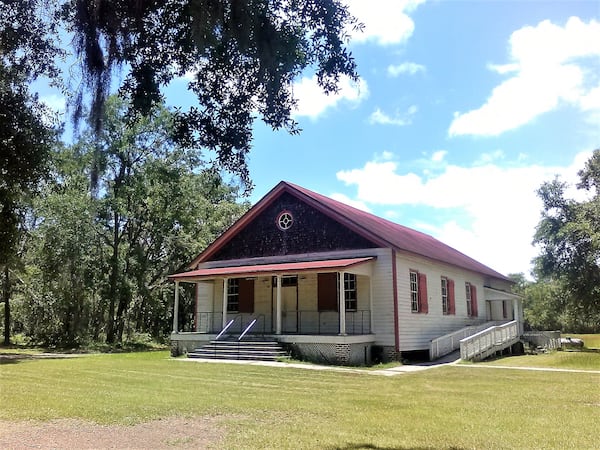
{"x":176,"y":309}
{"x":517,"y":315}
{"x":225,"y":286}
{"x":371,"y":323}
{"x":278,"y":306}
{"x":342,"y":306}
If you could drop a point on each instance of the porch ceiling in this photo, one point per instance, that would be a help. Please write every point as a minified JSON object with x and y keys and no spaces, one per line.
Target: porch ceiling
{"x":263,"y":269}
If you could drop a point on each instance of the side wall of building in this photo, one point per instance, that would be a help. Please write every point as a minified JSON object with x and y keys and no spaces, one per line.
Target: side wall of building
{"x":417,"y":329}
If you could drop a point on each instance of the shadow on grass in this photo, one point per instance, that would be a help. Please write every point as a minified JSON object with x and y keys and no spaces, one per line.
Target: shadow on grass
{"x":12,"y":354}
{"x":14,"y":358}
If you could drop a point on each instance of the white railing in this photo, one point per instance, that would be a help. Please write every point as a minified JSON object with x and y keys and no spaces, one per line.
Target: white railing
{"x":487,"y":342}
{"x":247,"y":329}
{"x":224,"y":329}
{"x":447,"y":343}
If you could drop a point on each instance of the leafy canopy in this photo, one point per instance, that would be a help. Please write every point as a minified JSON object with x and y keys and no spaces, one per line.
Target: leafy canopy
{"x":27,"y":51}
{"x":243,"y":57}
{"x":569,"y":237}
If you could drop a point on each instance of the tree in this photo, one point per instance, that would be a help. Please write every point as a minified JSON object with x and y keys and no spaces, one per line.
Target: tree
{"x":26,"y":53}
{"x":244,"y":56}
{"x":543,"y":303}
{"x":569,"y":237}
{"x":98,"y":263}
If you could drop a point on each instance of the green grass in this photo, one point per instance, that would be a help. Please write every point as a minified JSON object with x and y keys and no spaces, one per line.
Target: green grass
{"x":266,"y":407}
{"x":580,"y":360}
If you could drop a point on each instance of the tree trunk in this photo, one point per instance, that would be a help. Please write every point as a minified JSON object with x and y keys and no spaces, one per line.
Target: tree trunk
{"x":6,"y":298}
{"x":121,"y":316}
{"x":114,"y":274}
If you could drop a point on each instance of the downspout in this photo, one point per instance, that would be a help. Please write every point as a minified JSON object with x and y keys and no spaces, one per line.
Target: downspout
{"x":395,"y":300}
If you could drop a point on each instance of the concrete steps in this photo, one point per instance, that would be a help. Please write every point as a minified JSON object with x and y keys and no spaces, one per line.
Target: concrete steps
{"x":244,"y":350}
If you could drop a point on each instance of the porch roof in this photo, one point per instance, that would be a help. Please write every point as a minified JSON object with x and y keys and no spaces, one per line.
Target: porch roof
{"x":262,"y":269}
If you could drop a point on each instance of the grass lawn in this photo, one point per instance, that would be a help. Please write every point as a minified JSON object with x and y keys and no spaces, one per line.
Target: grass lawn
{"x":584,"y":360}
{"x":267,"y":407}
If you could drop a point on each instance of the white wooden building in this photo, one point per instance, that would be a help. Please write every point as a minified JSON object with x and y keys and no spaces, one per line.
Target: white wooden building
{"x":335,"y":283}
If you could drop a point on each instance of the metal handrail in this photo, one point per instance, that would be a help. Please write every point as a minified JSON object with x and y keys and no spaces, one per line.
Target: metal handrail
{"x":225,"y":329}
{"x":247,"y":329}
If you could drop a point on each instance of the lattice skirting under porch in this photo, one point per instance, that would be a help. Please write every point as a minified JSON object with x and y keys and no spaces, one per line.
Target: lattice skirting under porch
{"x":327,"y":353}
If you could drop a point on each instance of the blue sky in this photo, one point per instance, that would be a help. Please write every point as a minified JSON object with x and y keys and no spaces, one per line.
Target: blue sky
{"x":463,"y":109}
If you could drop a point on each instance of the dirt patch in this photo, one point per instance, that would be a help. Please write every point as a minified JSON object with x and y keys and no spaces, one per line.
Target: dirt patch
{"x":171,"y":433}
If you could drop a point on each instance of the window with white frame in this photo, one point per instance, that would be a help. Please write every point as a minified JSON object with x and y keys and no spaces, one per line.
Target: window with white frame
{"x":445,"y":306}
{"x":468,"y":296}
{"x":414,"y":291}
{"x":233,"y":295}
{"x":350,"y":291}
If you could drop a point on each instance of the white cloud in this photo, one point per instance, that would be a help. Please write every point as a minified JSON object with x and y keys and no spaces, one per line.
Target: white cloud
{"x":486,"y":158}
{"x":56,"y":107}
{"x":439,"y":156}
{"x":312,"y":101}
{"x":381,"y":118}
{"x":409,"y":68}
{"x":550,"y":65}
{"x":385,"y":21}
{"x":56,"y":103}
{"x":499,"y":204}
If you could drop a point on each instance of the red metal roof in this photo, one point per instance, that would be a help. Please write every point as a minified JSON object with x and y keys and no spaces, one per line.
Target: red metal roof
{"x":261,"y":269}
{"x":398,"y":236}
{"x":380,"y":231}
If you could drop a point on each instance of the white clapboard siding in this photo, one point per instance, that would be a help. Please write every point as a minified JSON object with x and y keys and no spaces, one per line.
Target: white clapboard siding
{"x":417,"y":329}
{"x":383,"y":305}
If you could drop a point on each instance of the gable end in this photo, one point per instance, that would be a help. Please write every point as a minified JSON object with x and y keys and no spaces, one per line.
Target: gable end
{"x":311,"y":231}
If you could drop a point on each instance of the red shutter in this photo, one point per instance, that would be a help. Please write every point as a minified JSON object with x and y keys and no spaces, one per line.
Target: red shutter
{"x":474,"y":311}
{"x":451,"y":302}
{"x":327,"y":299}
{"x":423,"y":306}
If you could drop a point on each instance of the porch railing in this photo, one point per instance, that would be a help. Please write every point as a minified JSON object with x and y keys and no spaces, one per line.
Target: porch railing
{"x":487,"y":342}
{"x":293,"y":322}
{"x":328,"y":322}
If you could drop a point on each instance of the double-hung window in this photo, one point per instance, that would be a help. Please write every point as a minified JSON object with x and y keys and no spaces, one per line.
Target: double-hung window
{"x":233,"y":295}
{"x":445,"y":303}
{"x":471,"y":295}
{"x":418,"y":292}
{"x":414,"y":291}
{"x":350,"y":291}
{"x":468,"y":296}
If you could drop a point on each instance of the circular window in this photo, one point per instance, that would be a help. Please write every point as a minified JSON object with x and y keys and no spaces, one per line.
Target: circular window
{"x":285,"y":220}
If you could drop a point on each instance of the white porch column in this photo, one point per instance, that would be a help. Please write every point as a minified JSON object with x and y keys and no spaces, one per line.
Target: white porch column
{"x":225,"y":286}
{"x":517,"y":314}
{"x":278,"y":306}
{"x":371,"y":323}
{"x":176,"y":309}
{"x":342,"y":306}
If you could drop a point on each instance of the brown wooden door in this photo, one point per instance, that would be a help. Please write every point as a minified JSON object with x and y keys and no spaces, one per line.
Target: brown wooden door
{"x":327,"y":291}
{"x":246,"y":296}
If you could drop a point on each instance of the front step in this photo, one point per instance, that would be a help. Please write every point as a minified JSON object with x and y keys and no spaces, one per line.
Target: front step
{"x":244,"y":350}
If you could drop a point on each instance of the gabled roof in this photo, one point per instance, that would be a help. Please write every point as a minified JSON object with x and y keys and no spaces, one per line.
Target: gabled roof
{"x":380,"y":231}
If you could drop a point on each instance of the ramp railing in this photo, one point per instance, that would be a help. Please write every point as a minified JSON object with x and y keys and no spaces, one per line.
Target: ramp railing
{"x":489,"y":341}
